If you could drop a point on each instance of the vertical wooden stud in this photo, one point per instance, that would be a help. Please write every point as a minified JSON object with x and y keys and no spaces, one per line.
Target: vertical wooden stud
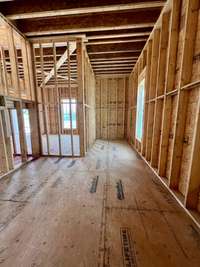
{"x":81,"y":110}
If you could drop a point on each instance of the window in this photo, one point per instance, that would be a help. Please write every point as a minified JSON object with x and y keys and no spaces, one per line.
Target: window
{"x":66,"y":113}
{"x":26,"y":121}
{"x":27,"y":129}
{"x":140,"y":110}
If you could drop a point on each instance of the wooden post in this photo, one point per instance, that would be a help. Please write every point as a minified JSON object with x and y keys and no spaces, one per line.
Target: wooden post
{"x":193,"y":186}
{"x":116,"y":109}
{"x":156,"y":132}
{"x":8,"y":140}
{"x":31,"y":66}
{"x":57,"y":97}
{"x":165,"y":130}
{"x":160,"y":89}
{"x":33,"y":74}
{"x":186,"y":71}
{"x":146,"y":97}
{"x":169,"y":83}
{"x":44,"y":104}
{"x":23,"y":145}
{"x":26,"y":68}
{"x":14,"y":65}
{"x":35,"y":138}
{"x":152,"y":92}
{"x":123,"y":107}
{"x":109,"y":108}
{"x":3,"y":155}
{"x":3,"y":62}
{"x":81,"y":110}
{"x":70,"y":97}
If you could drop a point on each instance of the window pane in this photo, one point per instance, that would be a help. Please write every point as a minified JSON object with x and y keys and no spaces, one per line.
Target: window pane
{"x":140,"y":110}
{"x":27,"y":129}
{"x":66,"y":113}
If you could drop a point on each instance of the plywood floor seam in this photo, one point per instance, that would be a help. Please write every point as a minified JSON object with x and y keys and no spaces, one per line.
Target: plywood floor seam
{"x":49,"y":217}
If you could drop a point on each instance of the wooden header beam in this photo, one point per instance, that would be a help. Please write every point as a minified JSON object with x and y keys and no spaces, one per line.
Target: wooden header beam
{"x":89,"y":29}
{"x":87,"y":10}
{"x":118,"y":35}
{"x":118,"y":41}
{"x":48,"y":40}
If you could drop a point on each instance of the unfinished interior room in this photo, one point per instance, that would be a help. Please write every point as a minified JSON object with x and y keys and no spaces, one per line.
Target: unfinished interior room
{"x":100,"y":133}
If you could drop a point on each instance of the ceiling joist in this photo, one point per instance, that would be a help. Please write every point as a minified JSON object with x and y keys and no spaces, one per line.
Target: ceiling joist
{"x":86,"y":10}
{"x":89,"y":29}
{"x":114,"y":31}
{"x":118,"y":41}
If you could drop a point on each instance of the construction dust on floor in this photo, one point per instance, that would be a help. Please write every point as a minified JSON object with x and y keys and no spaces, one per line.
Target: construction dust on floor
{"x":55,"y":215}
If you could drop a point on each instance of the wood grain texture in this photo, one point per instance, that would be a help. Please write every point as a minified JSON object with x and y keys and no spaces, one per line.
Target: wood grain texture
{"x":52,"y":219}
{"x":111,"y":107}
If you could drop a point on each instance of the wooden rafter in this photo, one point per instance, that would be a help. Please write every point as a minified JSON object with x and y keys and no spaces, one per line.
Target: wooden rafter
{"x":89,"y":29}
{"x":118,"y":35}
{"x":118,"y":41}
{"x":87,"y":10}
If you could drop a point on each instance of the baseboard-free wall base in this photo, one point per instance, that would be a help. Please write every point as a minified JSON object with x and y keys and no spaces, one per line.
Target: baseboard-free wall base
{"x":19,"y":166}
{"x":194,"y":215}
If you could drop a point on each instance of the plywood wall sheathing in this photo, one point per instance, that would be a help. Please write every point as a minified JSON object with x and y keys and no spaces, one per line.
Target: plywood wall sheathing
{"x":16,"y":79}
{"x":171,"y":122}
{"x":21,"y":132}
{"x":81,"y":108}
{"x":4,"y":167}
{"x":110,"y":107}
{"x":189,"y":35}
{"x":90,"y":110}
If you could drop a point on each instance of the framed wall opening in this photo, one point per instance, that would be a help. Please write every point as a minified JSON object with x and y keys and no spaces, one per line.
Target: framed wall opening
{"x":58,"y":98}
{"x":140,"y":107}
{"x":15,"y":136}
{"x":27,"y":130}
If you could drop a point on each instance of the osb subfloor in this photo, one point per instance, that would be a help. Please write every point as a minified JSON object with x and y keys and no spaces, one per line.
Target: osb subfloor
{"x":49,"y":217}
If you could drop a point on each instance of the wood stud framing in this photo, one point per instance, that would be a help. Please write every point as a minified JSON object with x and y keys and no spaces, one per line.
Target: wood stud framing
{"x":70,"y":97}
{"x":73,"y":79}
{"x":58,"y":97}
{"x":170,"y":142}
{"x":169,"y":62}
{"x":16,"y":87}
{"x":110,"y":107}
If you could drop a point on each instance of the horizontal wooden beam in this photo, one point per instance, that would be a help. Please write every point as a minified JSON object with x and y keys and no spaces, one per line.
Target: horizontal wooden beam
{"x":112,"y":72}
{"x":87,"y":29}
{"x":136,"y":47}
{"x":59,"y":40}
{"x":113,"y":55}
{"x":118,"y":41}
{"x":113,"y":62}
{"x":87,"y":10}
{"x":112,"y":75}
{"x":118,"y":35}
{"x":113,"y":59}
{"x":112,"y":52}
{"x":113,"y":68}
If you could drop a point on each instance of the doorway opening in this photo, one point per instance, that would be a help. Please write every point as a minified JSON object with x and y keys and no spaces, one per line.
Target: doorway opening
{"x":15,"y":136}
